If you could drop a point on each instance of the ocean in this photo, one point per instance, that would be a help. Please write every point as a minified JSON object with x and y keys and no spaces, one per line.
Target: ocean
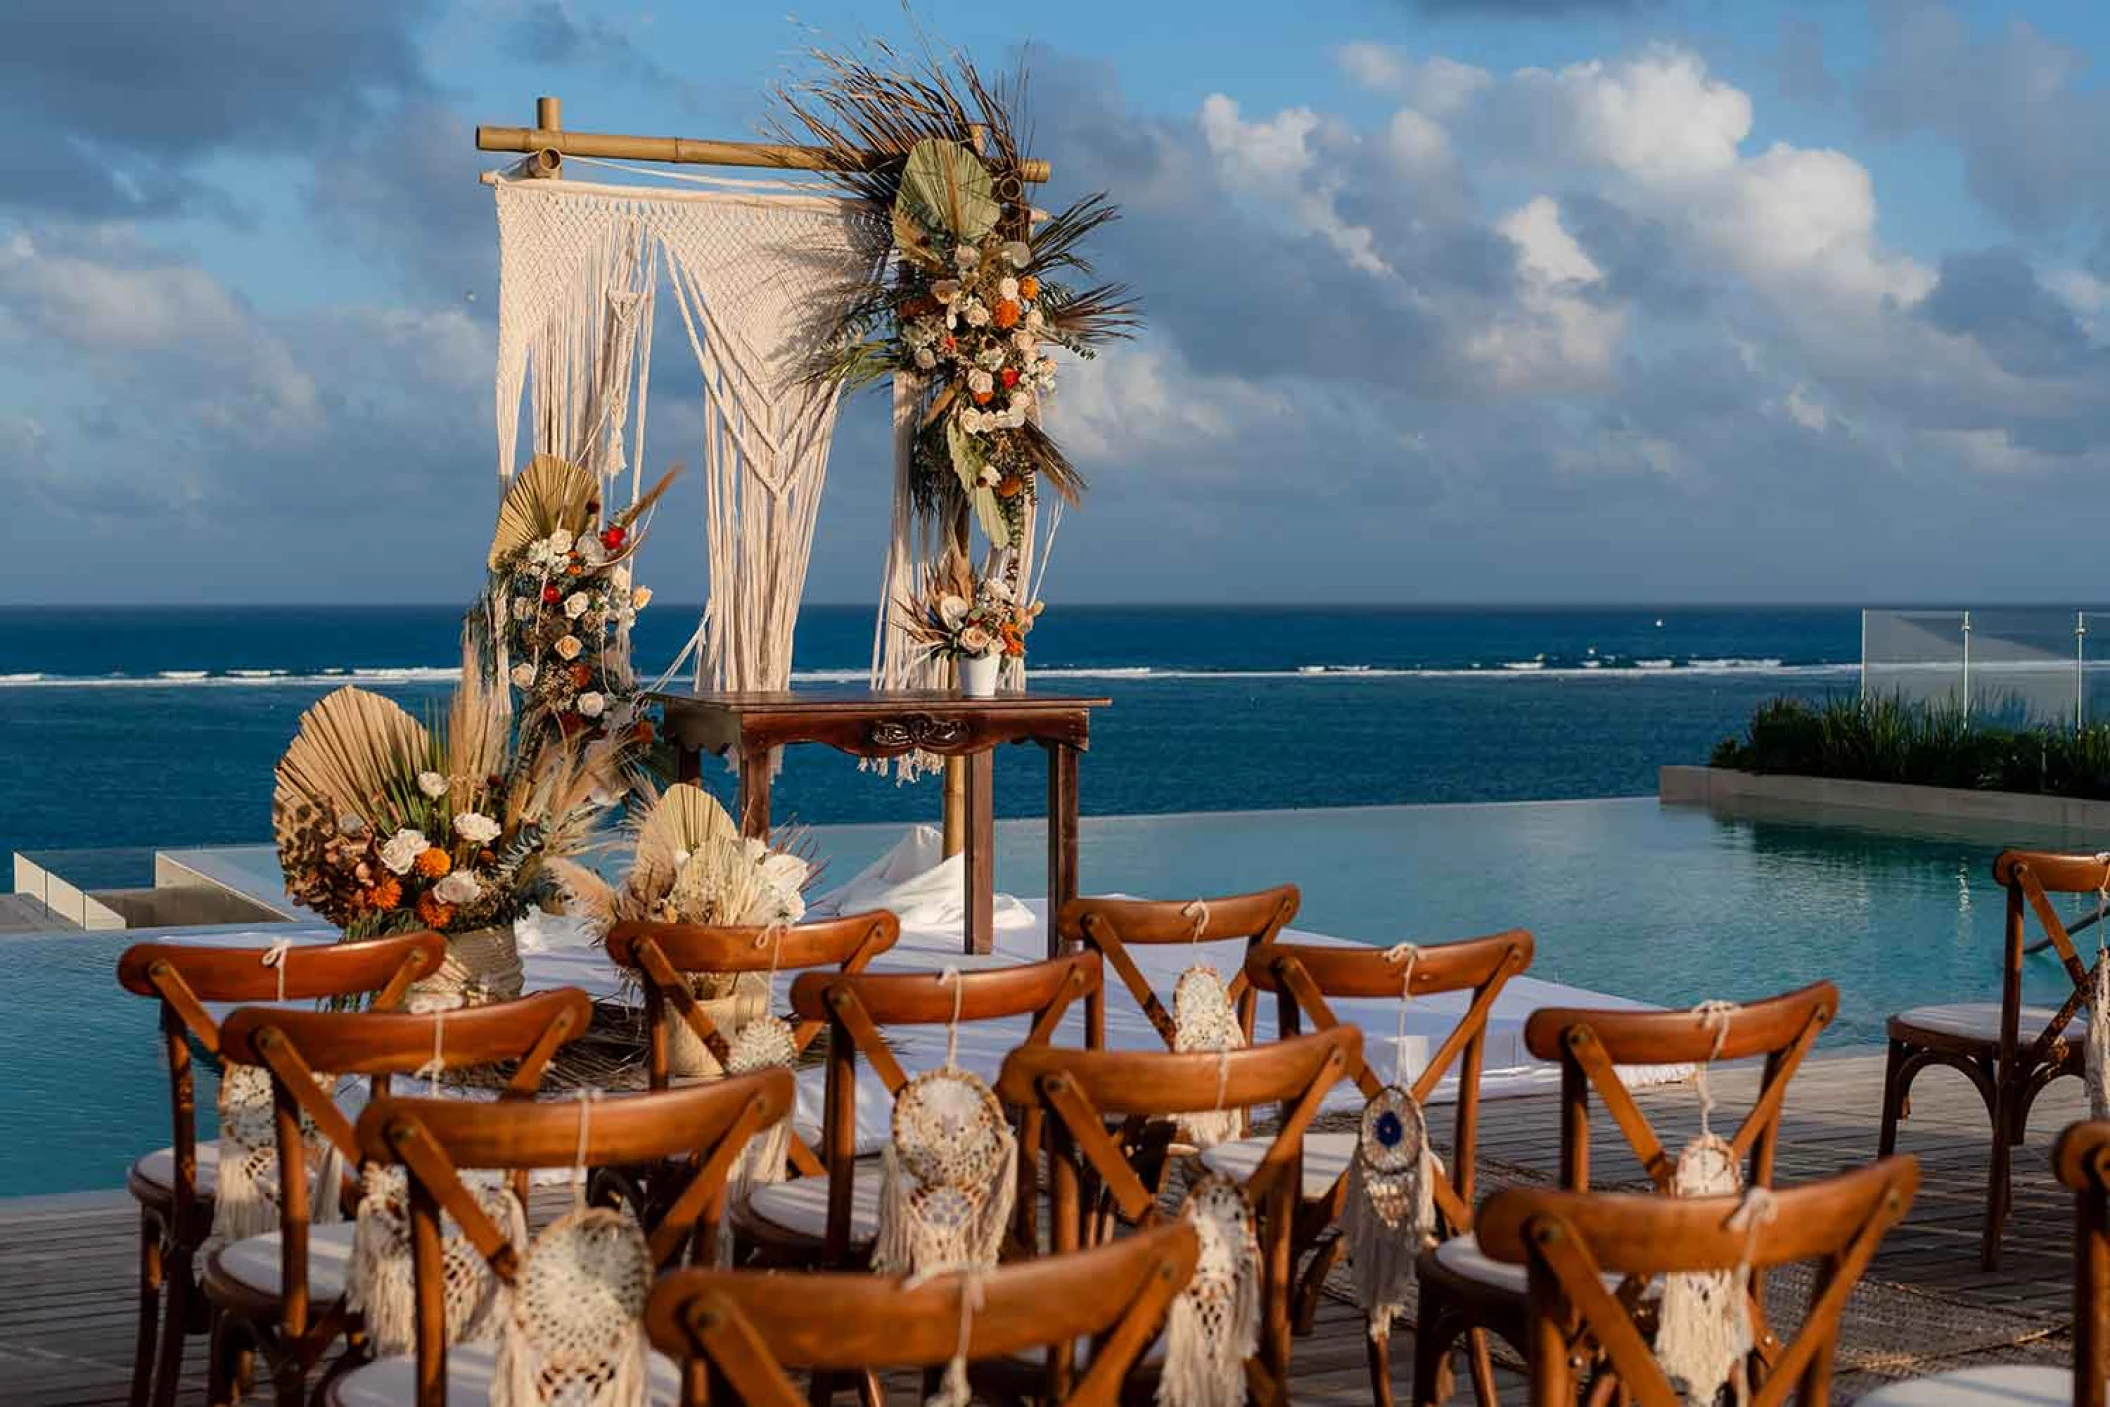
{"x":128,"y":727}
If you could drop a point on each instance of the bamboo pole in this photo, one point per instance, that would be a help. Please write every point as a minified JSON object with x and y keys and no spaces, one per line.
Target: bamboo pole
{"x":549,"y":117}
{"x":956,"y":800}
{"x":689,"y":151}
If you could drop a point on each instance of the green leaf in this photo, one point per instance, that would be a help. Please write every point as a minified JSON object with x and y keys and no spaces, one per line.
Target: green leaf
{"x":968,"y":457}
{"x":991,"y":514}
{"x":947,"y":188}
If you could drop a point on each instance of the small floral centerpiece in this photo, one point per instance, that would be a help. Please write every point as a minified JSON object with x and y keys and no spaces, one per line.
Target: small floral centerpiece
{"x":385,"y":825}
{"x":560,"y":599}
{"x":973,"y":619}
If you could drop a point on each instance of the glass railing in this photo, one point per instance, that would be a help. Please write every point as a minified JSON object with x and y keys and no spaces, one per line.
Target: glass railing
{"x":2010,"y":664}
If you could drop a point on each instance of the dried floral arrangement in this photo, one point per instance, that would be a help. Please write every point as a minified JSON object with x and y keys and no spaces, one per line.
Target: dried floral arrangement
{"x":559,"y":601}
{"x":981,"y":286}
{"x":387,"y":825}
{"x":962,"y":614}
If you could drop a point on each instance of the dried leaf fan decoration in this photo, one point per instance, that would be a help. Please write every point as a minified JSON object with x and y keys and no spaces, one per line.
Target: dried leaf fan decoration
{"x":1705,"y":1330}
{"x":949,"y":1173}
{"x":574,"y":1333}
{"x":2096,"y":1052}
{"x":1204,"y":1019}
{"x":1390,"y":1213}
{"x":1214,"y":1325}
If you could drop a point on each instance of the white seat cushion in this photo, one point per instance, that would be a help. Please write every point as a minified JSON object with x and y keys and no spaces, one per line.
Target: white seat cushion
{"x":1976,"y":1020}
{"x":159,"y":1167}
{"x":1462,"y":1256}
{"x":801,"y":1205}
{"x":254,"y":1262}
{"x":1326,"y":1157}
{"x":391,"y":1382}
{"x":2028,"y":1385}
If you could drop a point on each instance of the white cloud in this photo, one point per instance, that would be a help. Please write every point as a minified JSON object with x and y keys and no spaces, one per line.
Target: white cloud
{"x":1659,"y":117}
{"x":1274,"y":160}
{"x":1556,"y":338}
{"x":1436,"y":86}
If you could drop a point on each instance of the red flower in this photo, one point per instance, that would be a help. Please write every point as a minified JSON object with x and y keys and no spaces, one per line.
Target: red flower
{"x":1009,"y":376}
{"x":551,"y":595}
{"x":613,"y":537}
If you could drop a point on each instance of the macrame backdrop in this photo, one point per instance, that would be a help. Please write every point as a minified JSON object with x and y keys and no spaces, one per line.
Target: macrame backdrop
{"x":754,"y":270}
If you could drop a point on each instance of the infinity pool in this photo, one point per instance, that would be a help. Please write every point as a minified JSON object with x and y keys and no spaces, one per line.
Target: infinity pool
{"x":1666,"y":905}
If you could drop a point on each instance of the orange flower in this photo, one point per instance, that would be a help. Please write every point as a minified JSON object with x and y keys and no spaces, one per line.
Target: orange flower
{"x":1029,"y":287}
{"x":581,"y":676}
{"x":433,"y":863}
{"x":1007,"y":312}
{"x":432,"y":913}
{"x":387,"y":894}
{"x":643,"y":731}
{"x":1010,"y":486}
{"x":983,"y":397}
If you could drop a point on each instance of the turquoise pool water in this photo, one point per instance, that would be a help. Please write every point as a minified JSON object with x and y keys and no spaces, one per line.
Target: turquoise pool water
{"x":1667,"y":905}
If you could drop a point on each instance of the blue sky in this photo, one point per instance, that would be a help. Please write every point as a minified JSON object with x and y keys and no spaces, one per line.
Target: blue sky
{"x":1449,"y":300}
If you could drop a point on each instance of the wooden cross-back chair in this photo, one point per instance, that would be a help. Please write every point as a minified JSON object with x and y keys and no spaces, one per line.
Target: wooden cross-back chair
{"x":1462,"y":1289}
{"x":1080,"y":1090}
{"x":175,"y":1186}
{"x":283,"y":1293}
{"x":833,"y":1220}
{"x":699,"y":1128}
{"x":749,"y":1330}
{"x":665,"y":955}
{"x":1113,"y":926}
{"x":1303,"y":977}
{"x":2007,"y":1050}
{"x":1572,"y":1243}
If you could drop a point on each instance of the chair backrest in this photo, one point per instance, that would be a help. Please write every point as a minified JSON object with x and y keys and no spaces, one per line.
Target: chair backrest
{"x":183,"y":978}
{"x":1303,"y":976}
{"x":748,"y":1329}
{"x":293,"y":1045}
{"x":1079,"y":1089}
{"x":703,"y":1126}
{"x":1591,"y":1045}
{"x":2081,"y":1158}
{"x":1113,"y":926}
{"x":1566,"y":1240}
{"x":859,"y":1006}
{"x":2031,"y":877}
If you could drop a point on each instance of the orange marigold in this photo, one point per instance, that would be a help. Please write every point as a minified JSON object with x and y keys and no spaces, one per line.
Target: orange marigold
{"x":1029,"y":287}
{"x":432,"y":913}
{"x":1010,"y":486}
{"x":433,"y":862}
{"x":983,"y":397}
{"x":1007,"y":312}
{"x":387,"y":894}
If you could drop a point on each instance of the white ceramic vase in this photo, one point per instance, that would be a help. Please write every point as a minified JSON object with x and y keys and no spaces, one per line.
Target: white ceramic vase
{"x":978,"y":675}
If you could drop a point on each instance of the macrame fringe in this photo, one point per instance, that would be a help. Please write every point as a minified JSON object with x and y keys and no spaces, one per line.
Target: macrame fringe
{"x":1390,"y":1214}
{"x":381,"y":1281}
{"x":1704,"y":1333}
{"x":762,"y":1044}
{"x":923,"y":1226}
{"x":573,"y":1335}
{"x":1214,"y":1325}
{"x":2098,"y":1039}
{"x":246,"y":1199}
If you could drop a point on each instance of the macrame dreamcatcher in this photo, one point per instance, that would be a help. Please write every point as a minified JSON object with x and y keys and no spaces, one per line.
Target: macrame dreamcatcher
{"x":2096,"y":1052}
{"x":953,"y":1387}
{"x":246,"y":1202}
{"x":765,"y":1043}
{"x":573,"y":1332}
{"x":756,"y":269}
{"x":1214,"y":1325}
{"x":1204,"y":1019}
{"x":1391,"y":1207}
{"x":1704,"y":1332}
{"x":949,"y":1173}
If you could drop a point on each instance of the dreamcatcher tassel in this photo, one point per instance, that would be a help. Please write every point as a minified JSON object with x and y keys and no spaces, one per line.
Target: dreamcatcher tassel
{"x":2097,"y":1052}
{"x":1390,"y":1214}
{"x":1214,"y":1325}
{"x":764,"y":1043}
{"x":946,"y":1192}
{"x":1705,"y":1328}
{"x":247,"y":1197}
{"x":381,"y":1284}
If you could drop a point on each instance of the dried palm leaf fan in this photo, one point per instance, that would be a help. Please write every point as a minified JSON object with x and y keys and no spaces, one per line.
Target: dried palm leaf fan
{"x":351,"y":752}
{"x":1390,"y":1211}
{"x":549,"y":494}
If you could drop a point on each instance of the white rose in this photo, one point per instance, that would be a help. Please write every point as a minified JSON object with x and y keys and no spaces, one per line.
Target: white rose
{"x":401,"y":850}
{"x":590,"y":704}
{"x":980,"y":382}
{"x":925,"y":358}
{"x":945,"y":290}
{"x":1026,"y":343}
{"x":560,"y":542}
{"x":524,"y":675}
{"x":477,"y":828}
{"x":967,"y":256}
{"x":619,"y":577}
{"x":976,"y":315}
{"x":459,"y":887}
{"x":568,"y":647}
{"x":575,"y":604}
{"x":1017,"y":253}
{"x":971,"y":421}
{"x":592,"y":552}
{"x":1007,"y":287}
{"x":432,"y":784}
{"x":952,"y":610}
{"x":974,"y":641}
{"x":989,"y":358}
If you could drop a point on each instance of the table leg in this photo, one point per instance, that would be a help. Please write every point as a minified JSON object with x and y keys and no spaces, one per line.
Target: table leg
{"x":688,"y":763}
{"x":754,"y":794}
{"x":1062,"y":836}
{"x":981,"y":851}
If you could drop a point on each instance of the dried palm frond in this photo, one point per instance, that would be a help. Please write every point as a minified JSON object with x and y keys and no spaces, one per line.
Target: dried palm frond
{"x":477,"y":729}
{"x":550,"y":493}
{"x":356,"y":753}
{"x":585,"y":894}
{"x":677,"y":824}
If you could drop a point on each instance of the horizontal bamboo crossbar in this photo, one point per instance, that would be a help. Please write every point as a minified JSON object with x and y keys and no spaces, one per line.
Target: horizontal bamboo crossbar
{"x":688,"y":151}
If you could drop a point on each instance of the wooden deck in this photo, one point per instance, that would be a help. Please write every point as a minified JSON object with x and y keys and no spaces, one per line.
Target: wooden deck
{"x":67,"y":1264}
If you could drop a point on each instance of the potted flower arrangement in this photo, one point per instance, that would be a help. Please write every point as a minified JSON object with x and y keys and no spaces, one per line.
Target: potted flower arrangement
{"x":385,"y":825}
{"x":972,"y":620}
{"x":690,"y":865}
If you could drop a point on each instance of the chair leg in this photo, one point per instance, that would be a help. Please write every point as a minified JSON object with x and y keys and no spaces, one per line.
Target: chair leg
{"x":1997,"y":1185}
{"x":1893,"y":1099}
{"x":1483,"y":1366}
{"x":1432,"y":1356}
{"x":1304,"y":1312}
{"x":145,"y":1344}
{"x":181,"y":1289}
{"x":1378,"y":1351}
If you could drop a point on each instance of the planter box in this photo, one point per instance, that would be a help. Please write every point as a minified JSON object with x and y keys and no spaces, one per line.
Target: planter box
{"x":1723,"y":789}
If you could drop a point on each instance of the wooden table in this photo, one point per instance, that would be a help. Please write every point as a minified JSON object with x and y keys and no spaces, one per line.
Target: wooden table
{"x":864,"y":723}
